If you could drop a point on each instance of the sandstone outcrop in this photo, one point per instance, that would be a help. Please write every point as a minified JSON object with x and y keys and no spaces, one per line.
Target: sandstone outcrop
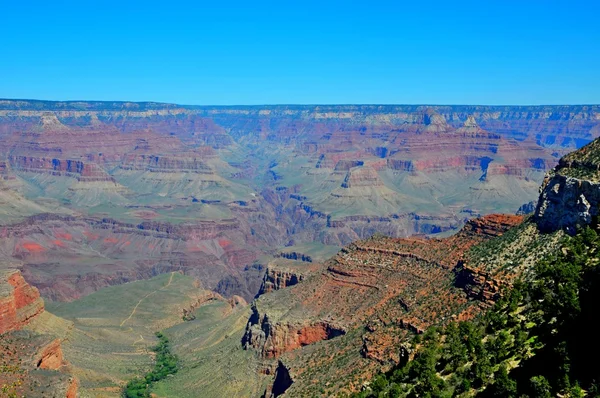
{"x":274,"y":339}
{"x":19,"y":302}
{"x":277,"y":278}
{"x":32,"y":363}
{"x":83,"y":171}
{"x":478,"y":284}
{"x":492,"y":225}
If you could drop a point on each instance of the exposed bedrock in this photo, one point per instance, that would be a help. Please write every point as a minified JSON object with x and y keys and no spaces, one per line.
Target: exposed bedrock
{"x":19,"y":302}
{"x":277,"y":278}
{"x":190,"y":162}
{"x":83,"y":171}
{"x":492,"y":225}
{"x":273,"y":339}
{"x":37,"y":358}
{"x":362,"y":177}
{"x":477,"y":284}
{"x":567,"y":203}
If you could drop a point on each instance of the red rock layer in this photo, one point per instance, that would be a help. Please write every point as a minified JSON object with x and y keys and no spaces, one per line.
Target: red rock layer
{"x":19,"y":302}
{"x":83,"y":171}
{"x":402,"y":284}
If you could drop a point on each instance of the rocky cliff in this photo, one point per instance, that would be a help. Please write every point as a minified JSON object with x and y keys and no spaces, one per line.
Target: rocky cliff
{"x":19,"y":302}
{"x":273,"y":339}
{"x":570,"y":194}
{"x":31,"y":363}
{"x":277,"y":278}
{"x":367,"y":280}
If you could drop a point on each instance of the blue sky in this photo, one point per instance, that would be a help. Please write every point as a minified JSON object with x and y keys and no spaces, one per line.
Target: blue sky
{"x":303,"y":52}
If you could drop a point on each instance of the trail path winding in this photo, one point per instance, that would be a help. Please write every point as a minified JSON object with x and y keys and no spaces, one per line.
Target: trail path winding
{"x":145,"y":297}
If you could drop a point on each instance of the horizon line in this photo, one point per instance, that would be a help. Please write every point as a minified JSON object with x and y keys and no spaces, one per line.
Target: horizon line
{"x":293,"y":104}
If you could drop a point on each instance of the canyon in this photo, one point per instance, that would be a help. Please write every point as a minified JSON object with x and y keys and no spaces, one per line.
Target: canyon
{"x":347,"y":229}
{"x":210,"y":191}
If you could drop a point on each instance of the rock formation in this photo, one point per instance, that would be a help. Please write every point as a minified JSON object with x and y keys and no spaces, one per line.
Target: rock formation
{"x":361,"y":177}
{"x":277,"y":278}
{"x":570,"y":193}
{"x":273,"y":339}
{"x":32,"y":363}
{"x":19,"y":302}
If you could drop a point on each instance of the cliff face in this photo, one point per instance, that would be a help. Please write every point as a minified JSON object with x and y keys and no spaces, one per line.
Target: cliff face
{"x":477,"y":284}
{"x":567,"y":203}
{"x":277,"y":278}
{"x":19,"y":302}
{"x":570,"y":194}
{"x":87,"y":172}
{"x":32,"y":363}
{"x":274,"y":339}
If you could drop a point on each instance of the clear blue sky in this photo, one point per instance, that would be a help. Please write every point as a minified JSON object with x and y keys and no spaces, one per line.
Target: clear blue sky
{"x":272,"y":52}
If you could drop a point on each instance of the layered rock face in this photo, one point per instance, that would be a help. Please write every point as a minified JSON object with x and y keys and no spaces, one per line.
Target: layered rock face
{"x":276,"y":278}
{"x":361,"y":177}
{"x":492,"y":225}
{"x":328,"y":174}
{"x":273,"y":339}
{"x":19,"y":302}
{"x":185,"y":162}
{"x":478,"y":284}
{"x":32,"y":363}
{"x":366,"y":281}
{"x":72,"y":168}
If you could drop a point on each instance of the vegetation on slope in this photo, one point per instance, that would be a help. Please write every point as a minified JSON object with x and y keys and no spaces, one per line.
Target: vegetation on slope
{"x":536,"y":341}
{"x":212,"y":362}
{"x":165,"y":365}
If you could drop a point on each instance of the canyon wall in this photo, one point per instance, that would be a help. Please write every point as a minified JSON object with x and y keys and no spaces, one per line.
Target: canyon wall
{"x":32,"y":362}
{"x":211,"y":191}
